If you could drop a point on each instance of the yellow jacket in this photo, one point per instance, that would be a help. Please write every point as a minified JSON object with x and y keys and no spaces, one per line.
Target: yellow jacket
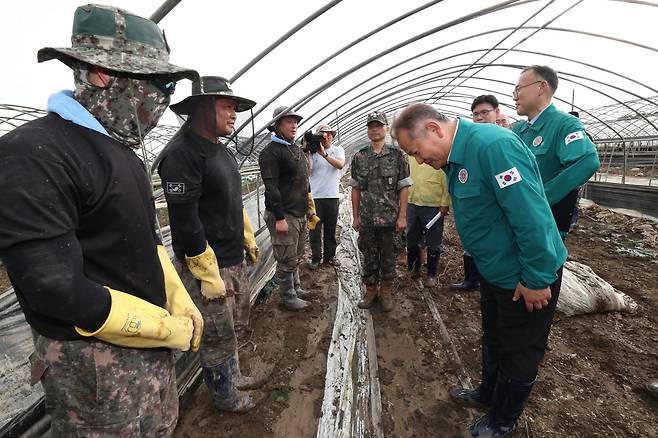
{"x":430,"y":188}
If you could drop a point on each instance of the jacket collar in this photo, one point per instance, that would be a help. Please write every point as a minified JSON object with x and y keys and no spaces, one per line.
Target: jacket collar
{"x":458,"y":149}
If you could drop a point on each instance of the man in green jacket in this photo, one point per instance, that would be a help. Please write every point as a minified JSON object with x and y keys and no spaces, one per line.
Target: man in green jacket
{"x":566,"y":156}
{"x":505,"y":222}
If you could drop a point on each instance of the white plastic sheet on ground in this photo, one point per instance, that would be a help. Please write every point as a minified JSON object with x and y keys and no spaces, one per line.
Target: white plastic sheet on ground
{"x":585,"y":292}
{"x":352,"y":402}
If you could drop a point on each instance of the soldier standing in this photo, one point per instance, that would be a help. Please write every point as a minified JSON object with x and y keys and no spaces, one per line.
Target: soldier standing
{"x":210,"y":231}
{"x":95,"y":283}
{"x":288,"y":203}
{"x":380,"y":188}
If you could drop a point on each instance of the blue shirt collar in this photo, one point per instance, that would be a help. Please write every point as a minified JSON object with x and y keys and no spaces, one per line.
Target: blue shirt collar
{"x":65,"y":105}
{"x":277,"y":139}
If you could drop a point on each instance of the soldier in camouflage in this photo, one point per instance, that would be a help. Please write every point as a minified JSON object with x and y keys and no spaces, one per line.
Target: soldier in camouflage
{"x":380,"y":188}
{"x":97,"y":287}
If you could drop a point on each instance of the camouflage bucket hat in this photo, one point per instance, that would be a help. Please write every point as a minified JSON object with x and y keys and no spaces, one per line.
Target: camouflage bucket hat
{"x":377,"y":116}
{"x":281,"y":112}
{"x":211,"y":86}
{"x":117,"y":40}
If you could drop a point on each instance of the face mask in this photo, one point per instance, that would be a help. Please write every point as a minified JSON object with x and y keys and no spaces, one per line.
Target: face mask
{"x":127,"y":108}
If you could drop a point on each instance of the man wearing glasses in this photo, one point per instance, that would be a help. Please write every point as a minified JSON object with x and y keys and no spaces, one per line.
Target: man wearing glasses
{"x":104,"y":302}
{"x":566,"y":156}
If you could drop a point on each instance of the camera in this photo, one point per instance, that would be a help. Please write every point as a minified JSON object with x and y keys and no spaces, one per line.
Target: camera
{"x":312,"y":141}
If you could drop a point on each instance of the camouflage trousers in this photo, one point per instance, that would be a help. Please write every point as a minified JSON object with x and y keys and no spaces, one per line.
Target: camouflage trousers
{"x":378,"y":247}
{"x":94,"y":389}
{"x":219,"y":339}
{"x":288,"y":249}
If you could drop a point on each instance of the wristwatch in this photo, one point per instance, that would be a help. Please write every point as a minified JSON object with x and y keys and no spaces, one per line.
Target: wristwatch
{"x":325,"y":155}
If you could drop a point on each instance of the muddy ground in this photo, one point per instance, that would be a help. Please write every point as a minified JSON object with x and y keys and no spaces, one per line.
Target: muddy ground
{"x":591,"y":382}
{"x":293,"y":345}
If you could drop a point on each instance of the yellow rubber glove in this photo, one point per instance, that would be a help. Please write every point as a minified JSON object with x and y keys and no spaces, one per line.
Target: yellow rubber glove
{"x":313,"y":222}
{"x":313,"y":218}
{"x":250,"y":246}
{"x":179,"y":303}
{"x":310,"y":202}
{"x":134,"y":322}
{"x":205,"y":268}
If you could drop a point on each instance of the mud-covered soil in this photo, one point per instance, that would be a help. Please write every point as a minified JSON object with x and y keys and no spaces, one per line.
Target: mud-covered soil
{"x":591,"y":383}
{"x":293,"y":346}
{"x":592,"y":380}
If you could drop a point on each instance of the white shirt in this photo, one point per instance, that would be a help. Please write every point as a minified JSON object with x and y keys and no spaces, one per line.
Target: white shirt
{"x":325,"y":177}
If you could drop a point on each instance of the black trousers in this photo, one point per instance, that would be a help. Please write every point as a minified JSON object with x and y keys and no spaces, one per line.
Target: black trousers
{"x":327,"y":210}
{"x":519,"y":336}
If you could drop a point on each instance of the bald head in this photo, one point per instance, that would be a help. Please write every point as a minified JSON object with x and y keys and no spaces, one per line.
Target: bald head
{"x":425,"y":134}
{"x":410,"y":120}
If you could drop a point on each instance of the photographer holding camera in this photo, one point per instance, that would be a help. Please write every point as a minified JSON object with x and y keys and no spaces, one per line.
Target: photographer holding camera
{"x":326,"y":162}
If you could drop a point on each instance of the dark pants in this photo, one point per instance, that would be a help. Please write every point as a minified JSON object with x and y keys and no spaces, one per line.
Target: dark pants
{"x":327,"y":210}
{"x":417,"y":217}
{"x":519,"y":335}
{"x":378,"y":248}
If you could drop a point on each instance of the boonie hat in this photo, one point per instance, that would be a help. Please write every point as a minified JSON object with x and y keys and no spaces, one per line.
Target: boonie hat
{"x":211,"y":86}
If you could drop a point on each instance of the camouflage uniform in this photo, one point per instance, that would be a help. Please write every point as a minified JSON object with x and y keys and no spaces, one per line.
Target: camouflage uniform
{"x":137,"y":388}
{"x":289,"y":248}
{"x":92,"y":388}
{"x":379,"y":177}
{"x":219,"y":336}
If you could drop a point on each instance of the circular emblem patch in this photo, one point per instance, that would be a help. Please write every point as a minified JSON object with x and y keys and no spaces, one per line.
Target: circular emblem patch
{"x":463,"y":176}
{"x":537,"y":141}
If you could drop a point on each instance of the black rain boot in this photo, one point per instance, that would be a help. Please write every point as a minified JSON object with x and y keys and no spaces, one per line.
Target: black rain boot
{"x":432,"y":266}
{"x":297,"y":284}
{"x":289,"y":295}
{"x":413,"y":261}
{"x":509,"y":400}
{"x":220,"y":380}
{"x":243,"y":382}
{"x":471,"y":280}
{"x":482,"y":396}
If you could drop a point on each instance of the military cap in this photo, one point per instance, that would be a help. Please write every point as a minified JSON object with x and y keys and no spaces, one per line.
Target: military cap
{"x":117,"y":40}
{"x":377,"y":116}
{"x":206,"y":86}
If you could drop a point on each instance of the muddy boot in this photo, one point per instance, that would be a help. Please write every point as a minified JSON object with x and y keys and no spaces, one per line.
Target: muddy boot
{"x":386,"y":295}
{"x":288,"y":294}
{"x":482,"y":396}
{"x":220,"y":380}
{"x":471,"y":280}
{"x":243,"y":382}
{"x":413,"y":262}
{"x":509,"y":400}
{"x":297,"y":283}
{"x":432,"y":267}
{"x":369,"y":297}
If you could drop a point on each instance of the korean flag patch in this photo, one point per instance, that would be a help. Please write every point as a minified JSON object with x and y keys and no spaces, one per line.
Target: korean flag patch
{"x":509,"y":177}
{"x":176,"y":188}
{"x":578,"y":135}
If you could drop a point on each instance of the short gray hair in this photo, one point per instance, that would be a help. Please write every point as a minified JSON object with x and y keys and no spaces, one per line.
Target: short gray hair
{"x":409,"y":119}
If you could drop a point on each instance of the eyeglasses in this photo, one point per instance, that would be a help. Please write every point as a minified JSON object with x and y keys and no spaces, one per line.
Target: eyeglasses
{"x":167,"y":87}
{"x":482,"y":113}
{"x":515,"y":93}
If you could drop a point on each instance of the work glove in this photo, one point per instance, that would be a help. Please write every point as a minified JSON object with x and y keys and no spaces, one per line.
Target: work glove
{"x":310,"y":205}
{"x":313,"y":218}
{"x":205,"y":268}
{"x":250,"y":246}
{"x":179,"y":303}
{"x":136,"y":323}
